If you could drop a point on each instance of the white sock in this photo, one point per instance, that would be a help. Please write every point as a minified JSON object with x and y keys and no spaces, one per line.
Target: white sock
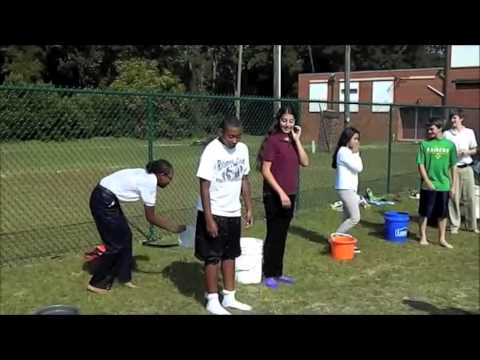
{"x":214,"y":306}
{"x":230,"y":301}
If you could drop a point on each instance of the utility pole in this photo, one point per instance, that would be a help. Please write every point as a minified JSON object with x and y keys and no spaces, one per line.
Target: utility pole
{"x":239,"y":81}
{"x":310,"y":54}
{"x":446,"y":71}
{"x":347,"y":85}
{"x":277,"y":75}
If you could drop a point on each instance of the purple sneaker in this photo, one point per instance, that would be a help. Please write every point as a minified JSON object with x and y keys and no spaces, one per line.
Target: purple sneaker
{"x":286,"y":279}
{"x":270,"y":282}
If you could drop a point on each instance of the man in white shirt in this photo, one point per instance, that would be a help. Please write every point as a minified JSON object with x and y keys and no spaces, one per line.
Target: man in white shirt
{"x":466,"y":144}
{"x":223,"y":174}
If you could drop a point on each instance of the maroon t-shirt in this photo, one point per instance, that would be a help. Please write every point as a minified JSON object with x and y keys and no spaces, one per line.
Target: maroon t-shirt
{"x":283,"y":154}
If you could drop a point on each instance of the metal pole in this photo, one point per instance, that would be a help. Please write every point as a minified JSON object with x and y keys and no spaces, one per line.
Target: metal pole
{"x":389,"y":158}
{"x":239,"y":80}
{"x":310,"y":54}
{"x":277,"y":75}
{"x":416,"y":123}
{"x":347,"y":85}
{"x":446,"y":79}
{"x":446,"y":70}
{"x":299,"y":179}
{"x":150,"y":139}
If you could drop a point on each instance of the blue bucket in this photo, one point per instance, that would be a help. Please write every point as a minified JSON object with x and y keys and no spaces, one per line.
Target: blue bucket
{"x":396,"y":226}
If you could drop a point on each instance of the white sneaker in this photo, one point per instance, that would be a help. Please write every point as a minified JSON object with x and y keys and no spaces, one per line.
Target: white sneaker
{"x":214,"y":307}
{"x":234,"y":304}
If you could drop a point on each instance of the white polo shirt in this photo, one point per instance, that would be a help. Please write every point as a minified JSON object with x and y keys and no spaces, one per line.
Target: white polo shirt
{"x":132,"y":185}
{"x":463,"y":140}
{"x":224,"y":168}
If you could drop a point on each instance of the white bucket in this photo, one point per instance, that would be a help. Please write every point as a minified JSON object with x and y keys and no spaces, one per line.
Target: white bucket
{"x":248,"y":266}
{"x":187,"y":238}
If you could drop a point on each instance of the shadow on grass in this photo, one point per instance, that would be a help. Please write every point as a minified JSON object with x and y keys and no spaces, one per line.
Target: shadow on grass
{"x":433,"y":310}
{"x":90,"y":266}
{"x":376,"y":227}
{"x":187,"y":277}
{"x":136,"y":268}
{"x":312,"y":236}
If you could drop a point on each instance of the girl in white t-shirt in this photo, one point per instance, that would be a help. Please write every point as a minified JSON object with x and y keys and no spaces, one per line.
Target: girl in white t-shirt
{"x":126,"y":185}
{"x":348,"y":164}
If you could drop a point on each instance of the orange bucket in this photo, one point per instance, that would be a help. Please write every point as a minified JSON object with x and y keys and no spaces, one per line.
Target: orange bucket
{"x":342,"y":246}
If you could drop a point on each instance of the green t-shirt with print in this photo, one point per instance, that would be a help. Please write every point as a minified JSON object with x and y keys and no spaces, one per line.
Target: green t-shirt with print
{"x":438,"y":156}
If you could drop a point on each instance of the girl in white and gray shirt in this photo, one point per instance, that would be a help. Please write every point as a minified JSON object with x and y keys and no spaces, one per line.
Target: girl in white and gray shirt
{"x":348,"y":164}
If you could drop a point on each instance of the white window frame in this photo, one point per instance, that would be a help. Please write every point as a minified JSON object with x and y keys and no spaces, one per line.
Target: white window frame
{"x":354,"y":85}
{"x":465,"y":56}
{"x":317,"y":91}
{"x":382,"y":95}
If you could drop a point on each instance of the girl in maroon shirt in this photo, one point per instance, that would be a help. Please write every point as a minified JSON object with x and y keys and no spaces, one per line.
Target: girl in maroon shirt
{"x":278,"y":159}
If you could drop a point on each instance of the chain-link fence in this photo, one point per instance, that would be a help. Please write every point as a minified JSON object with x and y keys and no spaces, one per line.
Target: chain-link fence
{"x":56,"y":144}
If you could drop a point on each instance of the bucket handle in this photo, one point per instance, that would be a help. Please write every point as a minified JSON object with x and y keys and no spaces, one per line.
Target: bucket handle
{"x":337,"y":233}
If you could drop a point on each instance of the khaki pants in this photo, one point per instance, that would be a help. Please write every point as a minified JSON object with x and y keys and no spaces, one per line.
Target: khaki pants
{"x":465,"y":192}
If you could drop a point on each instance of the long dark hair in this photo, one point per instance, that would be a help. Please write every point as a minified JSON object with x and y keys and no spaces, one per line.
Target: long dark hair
{"x":275,"y":128}
{"x":345,"y":137}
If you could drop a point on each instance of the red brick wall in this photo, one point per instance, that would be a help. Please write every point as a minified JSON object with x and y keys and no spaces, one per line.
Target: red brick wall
{"x":469,"y":96}
{"x":373,"y":126}
{"x":457,"y":95}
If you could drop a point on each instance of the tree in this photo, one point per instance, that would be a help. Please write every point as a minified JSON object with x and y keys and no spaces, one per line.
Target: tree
{"x":23,"y":64}
{"x":143,"y":75}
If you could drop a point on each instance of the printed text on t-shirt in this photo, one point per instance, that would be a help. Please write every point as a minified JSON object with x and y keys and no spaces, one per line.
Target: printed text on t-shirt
{"x":230,"y":170}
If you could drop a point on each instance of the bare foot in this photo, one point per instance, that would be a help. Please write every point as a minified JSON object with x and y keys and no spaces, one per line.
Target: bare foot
{"x":446,"y":244}
{"x":423,"y":242}
{"x":130,"y":285}
{"x":97,"y":290}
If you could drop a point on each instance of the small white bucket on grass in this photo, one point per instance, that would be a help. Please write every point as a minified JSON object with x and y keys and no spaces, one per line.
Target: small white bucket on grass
{"x":187,"y":238}
{"x":248,"y":266}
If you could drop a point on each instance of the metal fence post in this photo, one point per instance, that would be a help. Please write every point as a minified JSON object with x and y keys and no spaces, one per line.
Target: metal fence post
{"x":150,"y":138}
{"x":299,"y":122}
{"x":389,"y":156}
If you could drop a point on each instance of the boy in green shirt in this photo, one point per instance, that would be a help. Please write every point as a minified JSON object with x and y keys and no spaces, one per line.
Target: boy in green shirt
{"x":436,"y":159}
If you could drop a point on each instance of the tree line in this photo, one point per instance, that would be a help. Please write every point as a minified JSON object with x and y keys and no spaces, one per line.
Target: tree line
{"x":208,"y":69}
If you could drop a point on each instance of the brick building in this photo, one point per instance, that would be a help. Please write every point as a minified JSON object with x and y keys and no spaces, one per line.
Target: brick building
{"x":429,"y":86}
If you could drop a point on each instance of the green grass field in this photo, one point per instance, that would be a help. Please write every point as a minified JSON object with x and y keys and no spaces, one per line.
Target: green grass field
{"x":385,"y":278}
{"x":46,"y":186}
{"x":46,"y":227}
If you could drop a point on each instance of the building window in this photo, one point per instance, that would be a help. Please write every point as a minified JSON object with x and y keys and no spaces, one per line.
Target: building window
{"x":465,"y":56}
{"x":382,"y":93}
{"x":354,"y":96}
{"x":318,"y":92}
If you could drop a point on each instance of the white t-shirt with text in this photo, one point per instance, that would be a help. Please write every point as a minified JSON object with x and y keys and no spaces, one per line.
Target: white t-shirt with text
{"x":132,"y":185}
{"x":224,"y":168}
